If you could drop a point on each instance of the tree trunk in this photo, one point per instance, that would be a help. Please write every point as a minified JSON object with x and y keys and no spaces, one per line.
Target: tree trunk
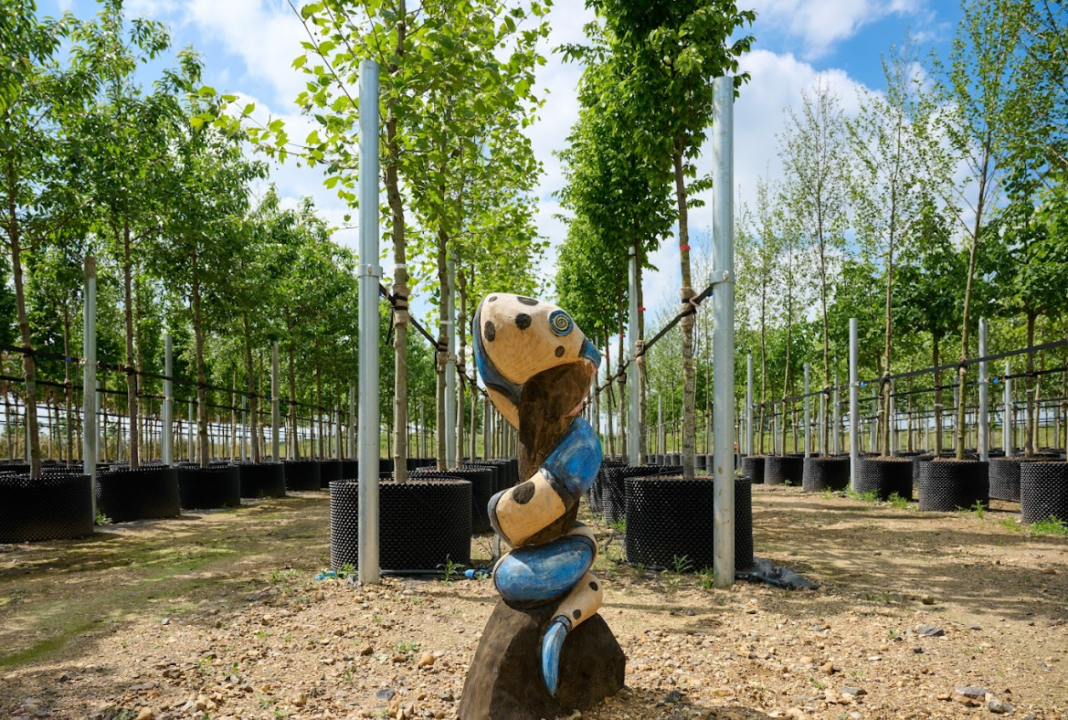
{"x":131,"y":371}
{"x":936,"y":360}
{"x":29,"y":363}
{"x":68,"y":390}
{"x":293,"y":437}
{"x":198,"y":335}
{"x":1029,"y":383}
{"x":253,"y":398}
{"x":442,"y":354}
{"x":643,"y":369}
{"x":689,"y":376}
{"x":461,"y":322}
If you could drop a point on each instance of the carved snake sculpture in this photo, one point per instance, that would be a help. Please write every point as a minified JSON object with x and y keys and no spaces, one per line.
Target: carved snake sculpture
{"x":537,"y":367}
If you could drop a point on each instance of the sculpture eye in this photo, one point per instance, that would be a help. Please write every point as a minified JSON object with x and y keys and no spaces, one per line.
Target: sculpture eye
{"x":561,"y":323}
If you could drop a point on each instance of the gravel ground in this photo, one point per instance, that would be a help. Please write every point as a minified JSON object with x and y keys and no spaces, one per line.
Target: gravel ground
{"x":219,"y":615}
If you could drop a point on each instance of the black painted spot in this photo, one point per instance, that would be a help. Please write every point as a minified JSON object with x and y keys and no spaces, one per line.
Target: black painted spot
{"x":526,"y":301}
{"x":522,"y":321}
{"x":489,"y":331}
{"x":593,"y":586}
{"x":559,"y":351}
{"x":523,"y":493}
{"x":493,"y":298}
{"x":577,"y":614}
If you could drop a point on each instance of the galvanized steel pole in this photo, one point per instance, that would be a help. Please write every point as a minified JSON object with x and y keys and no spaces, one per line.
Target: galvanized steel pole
{"x":808,"y":419}
{"x":984,"y":400}
{"x":275,"y":415}
{"x":1006,"y":423}
{"x":89,"y":396}
{"x":854,"y":406}
{"x":369,"y":275}
{"x":167,"y":449}
{"x":723,"y":324}
{"x":450,"y":364}
{"x":836,"y":434}
{"x":352,"y":420}
{"x":635,"y":433}
{"x":749,"y":405}
{"x":891,"y":425}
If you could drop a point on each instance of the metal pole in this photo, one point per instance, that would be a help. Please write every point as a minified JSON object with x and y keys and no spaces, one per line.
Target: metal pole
{"x":275,"y":414}
{"x":984,"y":399}
{"x":836,"y":435}
{"x":369,"y":274}
{"x":635,"y":432}
{"x":854,"y":406}
{"x":723,"y":324}
{"x":189,"y":434}
{"x":808,"y":419}
{"x":749,"y":405}
{"x":1006,"y":422}
{"x":890,"y":424}
{"x":167,"y":448}
{"x":245,"y":454}
{"x":352,"y":420}
{"x":660,"y":425}
{"x":89,"y":396}
{"x":450,"y":364}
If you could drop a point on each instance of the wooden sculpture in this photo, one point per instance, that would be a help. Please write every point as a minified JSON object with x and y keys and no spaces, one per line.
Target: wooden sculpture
{"x":545,"y":649}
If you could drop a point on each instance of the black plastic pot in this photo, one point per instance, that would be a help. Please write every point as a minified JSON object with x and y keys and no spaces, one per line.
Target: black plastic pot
{"x":143,"y":494}
{"x":54,"y":507}
{"x":670,"y":522}
{"x":1005,"y":478}
{"x":350,"y":469}
{"x":783,"y":470}
{"x":1044,"y":491}
{"x":825,"y":473}
{"x":946,"y":485}
{"x":885,"y":476}
{"x":614,"y":492}
{"x":217,"y":486}
{"x":753,"y":468}
{"x":423,"y":524}
{"x":483,"y":486}
{"x":302,"y":475}
{"x":263,"y":480}
{"x":329,"y":471}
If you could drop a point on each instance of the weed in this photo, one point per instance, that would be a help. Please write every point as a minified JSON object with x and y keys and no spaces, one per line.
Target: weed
{"x":102,"y":519}
{"x":347,"y":570}
{"x":817,"y":684}
{"x":707,"y":578}
{"x":1010,"y":524}
{"x":979,"y":509}
{"x":620,"y":525}
{"x":680,"y":564}
{"x":871,"y":496}
{"x":898,"y":502}
{"x":1050,"y":526}
{"x":376,"y":618}
{"x":403,"y":647}
{"x":449,"y":569}
{"x":828,"y":494}
{"x":639,"y":569}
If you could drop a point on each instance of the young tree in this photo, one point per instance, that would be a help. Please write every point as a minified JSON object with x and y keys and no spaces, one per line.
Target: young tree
{"x":815,"y":155}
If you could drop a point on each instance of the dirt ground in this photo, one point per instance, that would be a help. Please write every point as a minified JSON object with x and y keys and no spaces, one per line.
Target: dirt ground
{"x":219,"y":615}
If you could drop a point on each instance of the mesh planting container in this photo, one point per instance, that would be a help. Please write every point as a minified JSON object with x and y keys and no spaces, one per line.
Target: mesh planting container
{"x":826,"y":473}
{"x":613,"y":491}
{"x":54,"y":507}
{"x":329,"y":471}
{"x":1044,"y":491}
{"x":496,"y":468}
{"x":783,"y":470}
{"x":350,"y":469}
{"x":885,"y":477}
{"x":594,"y":496}
{"x":262,"y":480}
{"x":670,"y":522}
{"x":1005,"y":478}
{"x":482,"y":489}
{"x":753,"y":468}
{"x":946,"y":485}
{"x":217,"y":486}
{"x":302,"y":474}
{"x":143,"y":494}
{"x":423,"y":524}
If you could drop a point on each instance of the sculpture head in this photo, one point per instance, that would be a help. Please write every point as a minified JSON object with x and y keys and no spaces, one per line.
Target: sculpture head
{"x":519,"y":341}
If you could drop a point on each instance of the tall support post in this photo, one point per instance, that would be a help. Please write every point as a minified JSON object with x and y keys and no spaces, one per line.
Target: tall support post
{"x":836,"y":435}
{"x":854,"y":406}
{"x":189,"y":434}
{"x":245,"y":454}
{"x":450,"y":364}
{"x":89,"y":395}
{"x":1006,"y":422}
{"x":352,"y":420}
{"x":891,"y":423}
{"x":167,"y":444}
{"x":984,"y":398}
{"x":369,"y":275}
{"x":635,"y":433}
{"x":808,"y":417}
{"x":723,"y":324}
{"x":275,"y":415}
{"x":749,"y":405}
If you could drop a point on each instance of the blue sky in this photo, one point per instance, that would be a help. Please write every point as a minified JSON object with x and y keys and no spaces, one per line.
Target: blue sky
{"x":248,"y":45}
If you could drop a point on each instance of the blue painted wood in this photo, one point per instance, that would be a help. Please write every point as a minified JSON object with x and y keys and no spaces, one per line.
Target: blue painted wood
{"x":575,"y":460}
{"x":540,"y":573}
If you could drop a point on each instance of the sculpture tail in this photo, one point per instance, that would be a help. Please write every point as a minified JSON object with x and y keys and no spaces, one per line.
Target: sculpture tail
{"x":551,"y":647}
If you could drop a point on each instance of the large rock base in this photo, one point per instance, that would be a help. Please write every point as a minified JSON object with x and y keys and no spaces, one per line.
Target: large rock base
{"x":505,"y":683}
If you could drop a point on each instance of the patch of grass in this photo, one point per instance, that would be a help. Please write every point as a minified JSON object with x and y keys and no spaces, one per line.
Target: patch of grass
{"x":828,"y":494}
{"x":1010,"y":524}
{"x":897,"y":501}
{"x":979,"y":509}
{"x":871,"y":496}
{"x":102,"y":519}
{"x":620,"y":526}
{"x":707,"y":579}
{"x":403,"y":647}
{"x":48,"y":645}
{"x":1049,"y":526}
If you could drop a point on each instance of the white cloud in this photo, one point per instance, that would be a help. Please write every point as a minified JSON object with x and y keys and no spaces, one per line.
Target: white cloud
{"x":819,"y":24}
